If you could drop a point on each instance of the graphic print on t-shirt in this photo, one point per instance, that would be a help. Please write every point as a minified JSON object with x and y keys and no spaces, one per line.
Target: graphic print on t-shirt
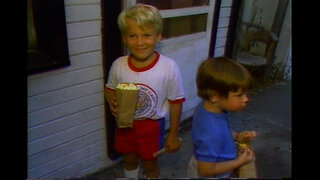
{"x":147,"y":102}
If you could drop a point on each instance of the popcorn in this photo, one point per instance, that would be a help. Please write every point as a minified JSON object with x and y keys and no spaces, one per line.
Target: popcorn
{"x":243,"y":145}
{"x":127,"y":97}
{"x":125,"y":86}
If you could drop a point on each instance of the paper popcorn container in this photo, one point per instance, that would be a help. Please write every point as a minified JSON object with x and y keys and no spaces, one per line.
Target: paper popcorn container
{"x":127,"y":99}
{"x":248,"y":170}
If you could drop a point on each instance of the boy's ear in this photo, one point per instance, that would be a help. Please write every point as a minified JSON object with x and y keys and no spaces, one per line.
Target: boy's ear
{"x":214,"y":98}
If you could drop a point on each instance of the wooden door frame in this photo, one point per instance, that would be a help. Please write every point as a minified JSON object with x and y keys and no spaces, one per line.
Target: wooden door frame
{"x":111,"y":49}
{"x":235,"y":7}
{"x":232,"y":29}
{"x":214,"y":29}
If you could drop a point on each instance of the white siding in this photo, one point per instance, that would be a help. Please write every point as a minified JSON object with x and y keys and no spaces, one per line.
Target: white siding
{"x":223,"y":24}
{"x":66,"y":129}
{"x":66,"y":118}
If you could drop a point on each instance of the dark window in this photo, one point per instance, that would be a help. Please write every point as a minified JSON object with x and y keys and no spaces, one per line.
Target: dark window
{"x":183,"y":25}
{"x":47,"y":36}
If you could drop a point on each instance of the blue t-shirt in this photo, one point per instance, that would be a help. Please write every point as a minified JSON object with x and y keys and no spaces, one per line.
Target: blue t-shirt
{"x":212,"y":136}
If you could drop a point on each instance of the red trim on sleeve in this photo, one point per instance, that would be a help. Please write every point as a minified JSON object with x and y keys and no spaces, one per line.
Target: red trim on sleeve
{"x":177,"y":101}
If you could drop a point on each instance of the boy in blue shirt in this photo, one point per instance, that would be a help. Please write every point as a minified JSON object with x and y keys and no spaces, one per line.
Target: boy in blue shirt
{"x":222,"y":84}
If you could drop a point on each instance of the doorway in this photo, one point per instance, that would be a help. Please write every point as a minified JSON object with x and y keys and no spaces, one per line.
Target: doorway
{"x":111,"y":50}
{"x":186,"y":39}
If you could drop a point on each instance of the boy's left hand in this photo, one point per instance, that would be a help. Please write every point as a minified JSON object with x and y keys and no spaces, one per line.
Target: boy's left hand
{"x":172,"y":144}
{"x":246,"y":136}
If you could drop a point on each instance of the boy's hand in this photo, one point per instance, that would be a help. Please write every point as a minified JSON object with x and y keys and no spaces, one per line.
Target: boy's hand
{"x":110,"y":96}
{"x":246,"y":156}
{"x":246,"y":136}
{"x":172,"y":144}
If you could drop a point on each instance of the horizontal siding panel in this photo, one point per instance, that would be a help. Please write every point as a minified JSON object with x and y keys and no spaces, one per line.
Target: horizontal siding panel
{"x":78,"y":2}
{"x":86,"y":60}
{"x":67,"y":159}
{"x":223,"y":22}
{"x":76,"y":13}
{"x":226,"y":3}
{"x":64,"y":136}
{"x":65,"y":109}
{"x":55,"y":97}
{"x":73,"y":170}
{"x":220,"y":42}
{"x":83,"y":45}
{"x":66,"y":148}
{"x":79,"y":61}
{"x":55,"y":126}
{"x":222,"y":32}
{"x":83,"y":29}
{"x":219,"y":52}
{"x":50,"y":83}
{"x":225,"y":12}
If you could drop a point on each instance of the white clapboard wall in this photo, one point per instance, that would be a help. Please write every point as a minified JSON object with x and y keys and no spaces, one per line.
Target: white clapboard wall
{"x":66,"y":119}
{"x":222,"y":31}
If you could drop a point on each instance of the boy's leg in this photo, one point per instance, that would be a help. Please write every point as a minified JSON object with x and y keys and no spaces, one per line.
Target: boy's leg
{"x":151,"y":168}
{"x":130,"y":161}
{"x":150,"y":140}
{"x":125,"y":144}
{"x":131,"y":168}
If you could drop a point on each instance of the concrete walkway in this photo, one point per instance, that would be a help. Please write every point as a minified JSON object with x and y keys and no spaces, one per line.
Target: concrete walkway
{"x":268,"y":113}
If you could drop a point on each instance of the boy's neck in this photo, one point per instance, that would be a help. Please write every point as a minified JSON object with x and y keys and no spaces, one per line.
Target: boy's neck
{"x":140,"y":66}
{"x":212,"y":107}
{"x":143,"y":63}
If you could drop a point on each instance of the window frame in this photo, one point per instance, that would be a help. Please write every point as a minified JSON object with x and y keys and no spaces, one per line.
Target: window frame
{"x":179,"y":12}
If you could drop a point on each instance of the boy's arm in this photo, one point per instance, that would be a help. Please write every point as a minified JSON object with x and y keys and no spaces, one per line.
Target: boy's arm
{"x":214,"y":168}
{"x":172,"y":142}
{"x":110,"y":96}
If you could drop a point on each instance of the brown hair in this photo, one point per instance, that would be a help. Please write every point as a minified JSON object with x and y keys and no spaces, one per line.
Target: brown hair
{"x":219,"y":76}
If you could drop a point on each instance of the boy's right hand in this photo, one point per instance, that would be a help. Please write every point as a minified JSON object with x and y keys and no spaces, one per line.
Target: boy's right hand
{"x":246,"y":156}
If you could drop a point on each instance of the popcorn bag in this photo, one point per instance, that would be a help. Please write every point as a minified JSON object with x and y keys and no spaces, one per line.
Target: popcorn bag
{"x":248,"y":170}
{"x":127,"y":95}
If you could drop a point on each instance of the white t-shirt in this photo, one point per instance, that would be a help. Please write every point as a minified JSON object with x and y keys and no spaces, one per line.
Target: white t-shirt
{"x":160,"y":84}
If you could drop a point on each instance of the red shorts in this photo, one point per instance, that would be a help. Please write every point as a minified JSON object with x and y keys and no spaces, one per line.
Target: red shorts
{"x":145,"y":138}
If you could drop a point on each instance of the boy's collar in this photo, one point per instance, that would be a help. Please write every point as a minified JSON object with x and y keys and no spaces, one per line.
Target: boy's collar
{"x":136,"y":69}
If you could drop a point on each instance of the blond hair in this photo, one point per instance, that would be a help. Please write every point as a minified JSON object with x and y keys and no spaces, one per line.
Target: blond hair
{"x":144,"y":15}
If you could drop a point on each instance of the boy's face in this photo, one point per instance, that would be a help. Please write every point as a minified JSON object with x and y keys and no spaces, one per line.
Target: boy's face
{"x":236,"y":101}
{"x":140,"y":42}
